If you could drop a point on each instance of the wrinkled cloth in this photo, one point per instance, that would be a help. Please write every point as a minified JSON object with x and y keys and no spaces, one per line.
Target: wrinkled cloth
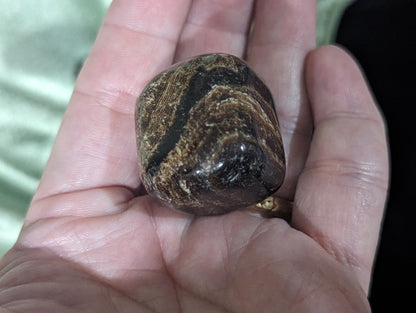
{"x":43,"y":45}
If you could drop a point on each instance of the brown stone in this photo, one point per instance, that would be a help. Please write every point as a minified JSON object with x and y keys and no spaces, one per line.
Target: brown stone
{"x":208,"y":136}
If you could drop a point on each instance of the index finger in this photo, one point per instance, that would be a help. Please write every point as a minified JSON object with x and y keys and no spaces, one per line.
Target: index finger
{"x":283,"y":34}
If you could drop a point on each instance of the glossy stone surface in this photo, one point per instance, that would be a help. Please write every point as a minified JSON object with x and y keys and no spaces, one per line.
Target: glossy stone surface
{"x":208,"y":136}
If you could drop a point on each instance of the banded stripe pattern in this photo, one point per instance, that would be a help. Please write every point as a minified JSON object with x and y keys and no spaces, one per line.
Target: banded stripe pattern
{"x":208,"y":136}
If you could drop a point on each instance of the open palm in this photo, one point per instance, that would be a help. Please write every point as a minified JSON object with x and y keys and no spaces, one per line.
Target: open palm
{"x":93,"y":241}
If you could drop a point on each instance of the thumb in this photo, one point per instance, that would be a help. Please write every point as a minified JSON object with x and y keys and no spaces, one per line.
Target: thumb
{"x":342,"y":190}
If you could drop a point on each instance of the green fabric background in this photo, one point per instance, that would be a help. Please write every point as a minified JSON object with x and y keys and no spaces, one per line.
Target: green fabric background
{"x":43,"y":44}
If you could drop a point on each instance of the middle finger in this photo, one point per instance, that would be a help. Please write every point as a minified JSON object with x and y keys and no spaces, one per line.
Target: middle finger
{"x":215,"y":26}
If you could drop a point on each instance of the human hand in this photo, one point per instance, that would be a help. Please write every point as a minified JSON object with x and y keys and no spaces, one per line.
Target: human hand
{"x":93,"y":242}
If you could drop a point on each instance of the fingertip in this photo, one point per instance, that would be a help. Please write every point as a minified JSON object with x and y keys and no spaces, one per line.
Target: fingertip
{"x":325,"y":55}
{"x":326,"y":66}
{"x":336,"y":83}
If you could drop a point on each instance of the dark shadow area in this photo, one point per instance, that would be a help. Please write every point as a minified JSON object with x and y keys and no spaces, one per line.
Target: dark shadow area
{"x":381,"y":34}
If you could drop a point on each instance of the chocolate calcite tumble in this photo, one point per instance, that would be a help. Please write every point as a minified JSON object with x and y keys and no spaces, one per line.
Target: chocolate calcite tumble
{"x":208,"y":136}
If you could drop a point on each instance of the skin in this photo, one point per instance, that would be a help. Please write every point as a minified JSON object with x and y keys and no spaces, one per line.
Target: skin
{"x":94,"y":242}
